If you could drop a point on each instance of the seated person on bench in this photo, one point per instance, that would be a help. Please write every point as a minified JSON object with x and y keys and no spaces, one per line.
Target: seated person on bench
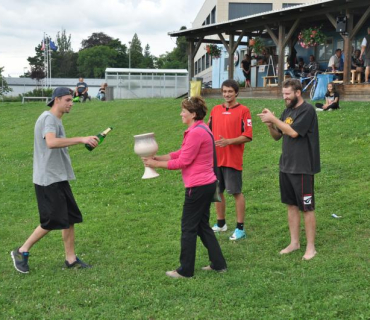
{"x":312,"y":67}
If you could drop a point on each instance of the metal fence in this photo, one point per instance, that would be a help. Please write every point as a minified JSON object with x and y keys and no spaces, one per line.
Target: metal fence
{"x":131,"y":86}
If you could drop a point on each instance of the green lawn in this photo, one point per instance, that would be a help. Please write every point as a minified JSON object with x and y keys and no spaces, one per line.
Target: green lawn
{"x":131,"y":226}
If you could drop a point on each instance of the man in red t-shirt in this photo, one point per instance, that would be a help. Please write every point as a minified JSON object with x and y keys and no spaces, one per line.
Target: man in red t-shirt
{"x":231,"y":125}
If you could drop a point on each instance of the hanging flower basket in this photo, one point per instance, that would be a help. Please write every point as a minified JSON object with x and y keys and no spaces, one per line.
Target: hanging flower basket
{"x":311,"y":37}
{"x":213,"y":50}
{"x":257,"y":45}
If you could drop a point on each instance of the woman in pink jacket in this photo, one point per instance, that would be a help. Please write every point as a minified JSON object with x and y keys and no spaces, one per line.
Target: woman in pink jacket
{"x":195,"y":160}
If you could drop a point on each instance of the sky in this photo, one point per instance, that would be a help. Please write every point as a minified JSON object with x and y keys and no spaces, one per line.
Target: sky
{"x":24,"y":22}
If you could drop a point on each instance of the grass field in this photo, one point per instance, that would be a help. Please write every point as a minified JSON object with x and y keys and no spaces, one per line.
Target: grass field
{"x":131,"y":227}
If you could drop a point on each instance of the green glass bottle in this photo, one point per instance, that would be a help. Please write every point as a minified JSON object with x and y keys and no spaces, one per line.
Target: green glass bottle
{"x":101,"y":137}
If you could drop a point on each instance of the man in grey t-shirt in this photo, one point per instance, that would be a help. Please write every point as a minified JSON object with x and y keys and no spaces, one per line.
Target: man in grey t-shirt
{"x":52,"y":171}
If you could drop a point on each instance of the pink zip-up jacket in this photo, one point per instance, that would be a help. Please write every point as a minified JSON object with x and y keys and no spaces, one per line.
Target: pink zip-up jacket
{"x":195,"y":158}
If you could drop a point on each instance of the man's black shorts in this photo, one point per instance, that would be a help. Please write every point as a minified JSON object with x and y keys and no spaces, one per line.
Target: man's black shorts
{"x":298,"y":190}
{"x":57,"y":206}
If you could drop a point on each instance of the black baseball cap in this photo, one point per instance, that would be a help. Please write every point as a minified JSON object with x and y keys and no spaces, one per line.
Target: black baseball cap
{"x":59,"y":92}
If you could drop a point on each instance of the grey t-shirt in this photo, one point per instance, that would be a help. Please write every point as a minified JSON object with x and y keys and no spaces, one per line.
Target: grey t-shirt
{"x":50,"y":165}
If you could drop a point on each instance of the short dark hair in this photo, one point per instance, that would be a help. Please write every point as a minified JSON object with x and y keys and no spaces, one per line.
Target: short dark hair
{"x":338,"y":50}
{"x":295,"y":84}
{"x":195,"y":105}
{"x":231,"y":84}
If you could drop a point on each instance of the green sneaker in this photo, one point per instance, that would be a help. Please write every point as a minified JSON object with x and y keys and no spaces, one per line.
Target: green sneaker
{"x":20,"y":261}
{"x":77,"y":264}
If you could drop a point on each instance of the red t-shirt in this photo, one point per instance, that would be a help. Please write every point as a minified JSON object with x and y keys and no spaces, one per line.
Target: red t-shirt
{"x":230,"y":123}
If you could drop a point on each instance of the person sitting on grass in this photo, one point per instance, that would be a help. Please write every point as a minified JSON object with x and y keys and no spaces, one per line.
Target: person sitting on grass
{"x":331,"y":99}
{"x":101,"y":92}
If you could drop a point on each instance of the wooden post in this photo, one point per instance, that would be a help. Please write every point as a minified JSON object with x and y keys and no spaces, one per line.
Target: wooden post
{"x":281,"y":41}
{"x":348,"y":49}
{"x":231,"y":56}
{"x":191,"y":49}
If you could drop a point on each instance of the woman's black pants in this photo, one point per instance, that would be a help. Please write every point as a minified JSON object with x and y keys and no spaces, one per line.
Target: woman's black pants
{"x":195,"y":222}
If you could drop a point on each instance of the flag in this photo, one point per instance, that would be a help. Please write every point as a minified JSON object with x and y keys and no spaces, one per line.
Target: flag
{"x":53,"y":46}
{"x":42,"y":45}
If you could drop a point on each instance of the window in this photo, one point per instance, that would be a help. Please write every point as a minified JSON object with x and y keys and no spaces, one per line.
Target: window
{"x":226,"y":63}
{"x":238,"y":10}
{"x":211,"y":18}
{"x":207,"y":60}
{"x":203,"y":62}
{"x":340,"y":45}
{"x":287,"y":5}
{"x":325,"y":51}
{"x":196,"y":67}
{"x":208,"y":21}
{"x":213,"y":15}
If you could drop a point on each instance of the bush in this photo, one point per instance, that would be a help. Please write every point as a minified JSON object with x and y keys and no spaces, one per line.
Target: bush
{"x":40,"y":92}
{"x":11,"y":99}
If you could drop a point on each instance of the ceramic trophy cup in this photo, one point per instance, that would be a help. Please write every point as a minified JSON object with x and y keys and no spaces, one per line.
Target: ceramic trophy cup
{"x":146,"y":146}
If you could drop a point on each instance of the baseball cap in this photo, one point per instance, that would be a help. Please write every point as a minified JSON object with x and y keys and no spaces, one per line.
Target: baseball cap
{"x":59,"y":92}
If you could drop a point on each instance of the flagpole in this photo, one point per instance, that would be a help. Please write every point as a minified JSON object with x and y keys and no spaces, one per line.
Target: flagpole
{"x":46,"y":56}
{"x":49,"y":65}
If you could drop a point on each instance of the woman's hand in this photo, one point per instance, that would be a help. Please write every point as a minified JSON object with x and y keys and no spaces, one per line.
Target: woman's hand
{"x":150,"y":162}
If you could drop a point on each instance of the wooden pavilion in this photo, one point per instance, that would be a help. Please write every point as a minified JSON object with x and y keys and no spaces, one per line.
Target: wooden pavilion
{"x":282,"y":26}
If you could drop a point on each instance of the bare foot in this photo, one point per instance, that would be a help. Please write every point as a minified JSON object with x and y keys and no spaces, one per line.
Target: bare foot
{"x":309,"y":255}
{"x":290,"y":248}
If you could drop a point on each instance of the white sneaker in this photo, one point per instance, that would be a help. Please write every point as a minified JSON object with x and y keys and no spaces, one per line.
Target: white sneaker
{"x":216,"y":228}
{"x":318,"y":109}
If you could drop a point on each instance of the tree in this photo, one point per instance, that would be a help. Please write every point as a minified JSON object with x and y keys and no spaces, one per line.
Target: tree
{"x":122,"y":56}
{"x":101,"y":39}
{"x":147,"y":59}
{"x":177,"y":58}
{"x":92,"y":62}
{"x":136,"y":52}
{"x":37,"y":64}
{"x":4,"y":88}
{"x":63,"y":42}
{"x":96,"y":39}
{"x":64,"y":61}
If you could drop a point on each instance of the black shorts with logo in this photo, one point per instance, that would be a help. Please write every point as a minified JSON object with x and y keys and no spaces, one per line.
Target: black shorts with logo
{"x":57,"y":206}
{"x":298,"y":190}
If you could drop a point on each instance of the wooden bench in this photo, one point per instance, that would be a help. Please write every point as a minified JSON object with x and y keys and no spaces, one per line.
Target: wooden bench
{"x":36,"y":98}
{"x":353,"y":78}
{"x":267,"y":81}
